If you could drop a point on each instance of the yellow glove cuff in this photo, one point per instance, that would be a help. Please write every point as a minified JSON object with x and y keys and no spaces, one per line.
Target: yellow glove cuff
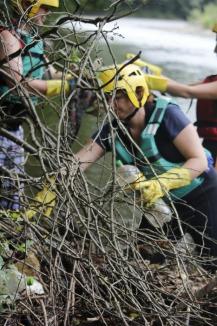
{"x":157,"y":83}
{"x":175,"y":178}
{"x":55,"y":87}
{"x":138,"y":180}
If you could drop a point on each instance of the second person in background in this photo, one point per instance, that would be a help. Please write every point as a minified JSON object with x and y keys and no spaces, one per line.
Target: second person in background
{"x":21,"y":85}
{"x":206,"y":93}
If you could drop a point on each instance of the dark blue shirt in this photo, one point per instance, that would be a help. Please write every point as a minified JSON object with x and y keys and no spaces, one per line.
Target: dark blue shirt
{"x":174,"y":121}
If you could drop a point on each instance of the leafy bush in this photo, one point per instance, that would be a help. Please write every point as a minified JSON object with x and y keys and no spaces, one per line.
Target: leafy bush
{"x":207,"y":18}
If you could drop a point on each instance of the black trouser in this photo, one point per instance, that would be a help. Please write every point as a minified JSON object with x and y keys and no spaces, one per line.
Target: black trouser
{"x":211,"y":145}
{"x":198,"y":215}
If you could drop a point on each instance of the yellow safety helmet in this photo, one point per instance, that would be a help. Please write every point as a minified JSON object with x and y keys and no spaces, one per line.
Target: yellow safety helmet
{"x":34,"y":5}
{"x":128,"y":79}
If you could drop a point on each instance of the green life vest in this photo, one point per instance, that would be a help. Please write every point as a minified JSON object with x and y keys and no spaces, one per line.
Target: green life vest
{"x":33,"y":66}
{"x":150,"y":153}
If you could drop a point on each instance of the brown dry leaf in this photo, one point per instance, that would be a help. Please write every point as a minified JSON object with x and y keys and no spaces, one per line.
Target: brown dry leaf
{"x":30,"y":265}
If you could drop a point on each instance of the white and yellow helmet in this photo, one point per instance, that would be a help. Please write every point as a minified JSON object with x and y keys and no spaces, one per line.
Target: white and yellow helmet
{"x":128,"y":79}
{"x":34,"y":5}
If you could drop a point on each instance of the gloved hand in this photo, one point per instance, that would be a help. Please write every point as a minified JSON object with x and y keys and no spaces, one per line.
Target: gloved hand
{"x":154,"y":69}
{"x":56,"y":86}
{"x":44,"y":200}
{"x":153,"y":189}
{"x":157,"y":83}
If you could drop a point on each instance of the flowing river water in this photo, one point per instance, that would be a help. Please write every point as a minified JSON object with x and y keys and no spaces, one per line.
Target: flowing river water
{"x":184,"y":51}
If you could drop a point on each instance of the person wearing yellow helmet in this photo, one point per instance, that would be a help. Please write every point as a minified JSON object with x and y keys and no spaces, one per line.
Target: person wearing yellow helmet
{"x":32,"y":7}
{"x":22,"y":71}
{"x":206,"y":93}
{"x":154,"y":130}
{"x":129,"y":80}
{"x":37,"y":4}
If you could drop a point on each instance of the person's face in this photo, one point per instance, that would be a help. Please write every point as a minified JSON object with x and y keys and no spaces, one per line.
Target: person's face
{"x":40,"y":16}
{"x":121,"y":105}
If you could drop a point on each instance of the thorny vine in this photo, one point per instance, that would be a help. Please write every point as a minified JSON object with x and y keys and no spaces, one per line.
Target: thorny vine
{"x":93,"y":261}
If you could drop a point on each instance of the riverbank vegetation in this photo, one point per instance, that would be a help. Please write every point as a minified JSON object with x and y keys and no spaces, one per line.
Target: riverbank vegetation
{"x":206,"y":17}
{"x":200,"y":11}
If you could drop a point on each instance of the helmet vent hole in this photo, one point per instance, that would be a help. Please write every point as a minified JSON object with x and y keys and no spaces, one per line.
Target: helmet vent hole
{"x":132,"y":74}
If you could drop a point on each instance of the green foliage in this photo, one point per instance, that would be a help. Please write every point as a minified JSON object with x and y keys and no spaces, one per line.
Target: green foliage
{"x":30,"y":280}
{"x":153,"y":8}
{"x":178,"y":8}
{"x":22,"y":247}
{"x":99,"y":6}
{"x":207,"y":17}
{"x":74,"y":57}
{"x":204,"y":11}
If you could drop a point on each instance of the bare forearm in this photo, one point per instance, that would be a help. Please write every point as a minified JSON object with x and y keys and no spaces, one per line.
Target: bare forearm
{"x":199,"y":90}
{"x":195,"y":157}
{"x":40,"y":86}
{"x":196,"y":166}
{"x":36,"y":86}
{"x":178,"y":89}
{"x":16,"y":80}
{"x":90,"y":153}
{"x":49,"y":87}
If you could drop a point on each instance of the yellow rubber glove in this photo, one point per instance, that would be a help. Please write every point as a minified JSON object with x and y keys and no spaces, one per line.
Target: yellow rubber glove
{"x":153,"y":189}
{"x":56,"y":86}
{"x":156,"y":70}
{"x":157,"y":83}
{"x":44,"y":201}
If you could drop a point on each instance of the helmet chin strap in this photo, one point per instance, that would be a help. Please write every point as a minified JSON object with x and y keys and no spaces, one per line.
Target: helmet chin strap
{"x":130,"y":116}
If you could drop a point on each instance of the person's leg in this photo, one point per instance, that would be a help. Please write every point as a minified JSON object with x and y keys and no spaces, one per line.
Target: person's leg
{"x":3,"y":179}
{"x":12,"y":159}
{"x":199,"y":217}
{"x":152,"y":242}
{"x":17,"y":157}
